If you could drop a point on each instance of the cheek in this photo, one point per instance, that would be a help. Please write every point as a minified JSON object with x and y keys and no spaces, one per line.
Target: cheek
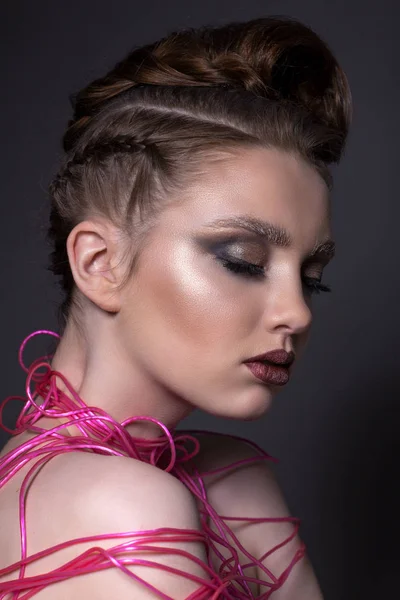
{"x":189,"y":299}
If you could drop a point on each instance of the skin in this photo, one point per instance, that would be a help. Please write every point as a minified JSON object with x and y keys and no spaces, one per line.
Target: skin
{"x":174,"y":338}
{"x":183,"y":318}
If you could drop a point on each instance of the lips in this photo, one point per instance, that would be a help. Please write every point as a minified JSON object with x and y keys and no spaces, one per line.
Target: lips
{"x":269,"y":373}
{"x":278,"y":357}
{"x":272,"y":367}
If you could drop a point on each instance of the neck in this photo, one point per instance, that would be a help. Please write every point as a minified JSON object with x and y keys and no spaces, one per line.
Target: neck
{"x":105,"y":377}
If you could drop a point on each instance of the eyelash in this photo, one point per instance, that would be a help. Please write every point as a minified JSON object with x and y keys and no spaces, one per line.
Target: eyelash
{"x":250,"y":270}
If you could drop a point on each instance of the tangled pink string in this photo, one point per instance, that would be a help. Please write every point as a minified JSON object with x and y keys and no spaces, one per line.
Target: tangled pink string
{"x":100,"y":433}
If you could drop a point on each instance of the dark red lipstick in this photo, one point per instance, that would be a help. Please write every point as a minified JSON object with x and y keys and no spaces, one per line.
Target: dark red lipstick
{"x":271,"y":367}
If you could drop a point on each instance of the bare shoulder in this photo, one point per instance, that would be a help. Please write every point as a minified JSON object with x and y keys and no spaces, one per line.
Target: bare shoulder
{"x":90,"y":495}
{"x":252,"y":489}
{"x":100,"y":494}
{"x":108,"y":478}
{"x":219,"y":450}
{"x":246,"y":484}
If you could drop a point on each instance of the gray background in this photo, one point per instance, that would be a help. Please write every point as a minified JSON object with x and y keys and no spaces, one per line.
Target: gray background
{"x":335,"y":428}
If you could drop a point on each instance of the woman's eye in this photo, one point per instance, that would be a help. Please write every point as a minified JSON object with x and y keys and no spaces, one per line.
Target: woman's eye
{"x":243,"y":268}
{"x":246,"y":269}
{"x":314,"y":286}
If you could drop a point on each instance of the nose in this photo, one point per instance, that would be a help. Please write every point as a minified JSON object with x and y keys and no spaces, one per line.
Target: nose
{"x":288,"y":308}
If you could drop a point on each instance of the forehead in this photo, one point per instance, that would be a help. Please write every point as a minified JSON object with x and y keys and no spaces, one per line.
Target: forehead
{"x":267,"y":184}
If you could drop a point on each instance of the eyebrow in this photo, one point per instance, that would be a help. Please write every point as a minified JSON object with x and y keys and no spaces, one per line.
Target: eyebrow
{"x":276,"y":235}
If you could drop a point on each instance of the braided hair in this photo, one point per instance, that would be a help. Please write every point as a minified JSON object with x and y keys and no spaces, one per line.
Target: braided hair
{"x":141,"y":132}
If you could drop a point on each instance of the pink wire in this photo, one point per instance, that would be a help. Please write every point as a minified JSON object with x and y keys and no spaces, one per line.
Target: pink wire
{"x":100,"y":433}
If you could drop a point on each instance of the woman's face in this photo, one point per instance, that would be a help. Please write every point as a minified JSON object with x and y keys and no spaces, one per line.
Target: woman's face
{"x":189,"y":320}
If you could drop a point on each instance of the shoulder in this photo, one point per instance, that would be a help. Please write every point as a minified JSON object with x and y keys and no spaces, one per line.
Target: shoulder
{"x":110,"y":489}
{"x":252,"y":490}
{"x":222,"y":450}
{"x":91,"y":495}
{"x":235,"y":463}
{"x":241,"y":480}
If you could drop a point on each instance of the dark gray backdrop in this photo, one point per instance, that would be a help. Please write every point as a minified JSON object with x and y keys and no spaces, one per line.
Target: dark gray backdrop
{"x":335,"y":429}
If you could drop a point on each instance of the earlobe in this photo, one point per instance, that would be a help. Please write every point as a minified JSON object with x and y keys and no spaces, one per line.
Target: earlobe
{"x":93,"y":253}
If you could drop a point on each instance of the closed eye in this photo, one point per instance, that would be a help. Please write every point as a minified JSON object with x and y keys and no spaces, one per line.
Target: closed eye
{"x":250,"y":270}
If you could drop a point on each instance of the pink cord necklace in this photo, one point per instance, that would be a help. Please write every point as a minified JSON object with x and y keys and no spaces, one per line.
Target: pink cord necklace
{"x":101,"y":434}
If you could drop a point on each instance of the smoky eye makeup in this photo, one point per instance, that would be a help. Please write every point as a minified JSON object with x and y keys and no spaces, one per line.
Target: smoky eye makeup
{"x":236,"y":249}
{"x":247,"y":257}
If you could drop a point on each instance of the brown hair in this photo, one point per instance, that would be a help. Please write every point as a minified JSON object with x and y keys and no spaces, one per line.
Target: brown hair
{"x":141,"y":132}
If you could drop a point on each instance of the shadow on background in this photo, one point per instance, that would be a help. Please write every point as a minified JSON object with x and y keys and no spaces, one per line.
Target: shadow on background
{"x":360,"y":489}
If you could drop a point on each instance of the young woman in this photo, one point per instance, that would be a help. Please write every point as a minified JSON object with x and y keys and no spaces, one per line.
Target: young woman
{"x":191,"y":225}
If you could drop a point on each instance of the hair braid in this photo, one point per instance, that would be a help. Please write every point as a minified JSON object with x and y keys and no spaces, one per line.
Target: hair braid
{"x":139,"y":133}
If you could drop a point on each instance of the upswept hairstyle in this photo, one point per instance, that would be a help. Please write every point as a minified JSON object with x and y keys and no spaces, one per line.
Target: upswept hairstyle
{"x":143,"y":131}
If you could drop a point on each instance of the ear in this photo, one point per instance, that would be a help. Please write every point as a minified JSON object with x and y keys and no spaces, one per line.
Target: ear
{"x":95,"y":255}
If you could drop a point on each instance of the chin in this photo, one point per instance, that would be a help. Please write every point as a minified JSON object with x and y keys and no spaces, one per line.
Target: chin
{"x":248,"y":406}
